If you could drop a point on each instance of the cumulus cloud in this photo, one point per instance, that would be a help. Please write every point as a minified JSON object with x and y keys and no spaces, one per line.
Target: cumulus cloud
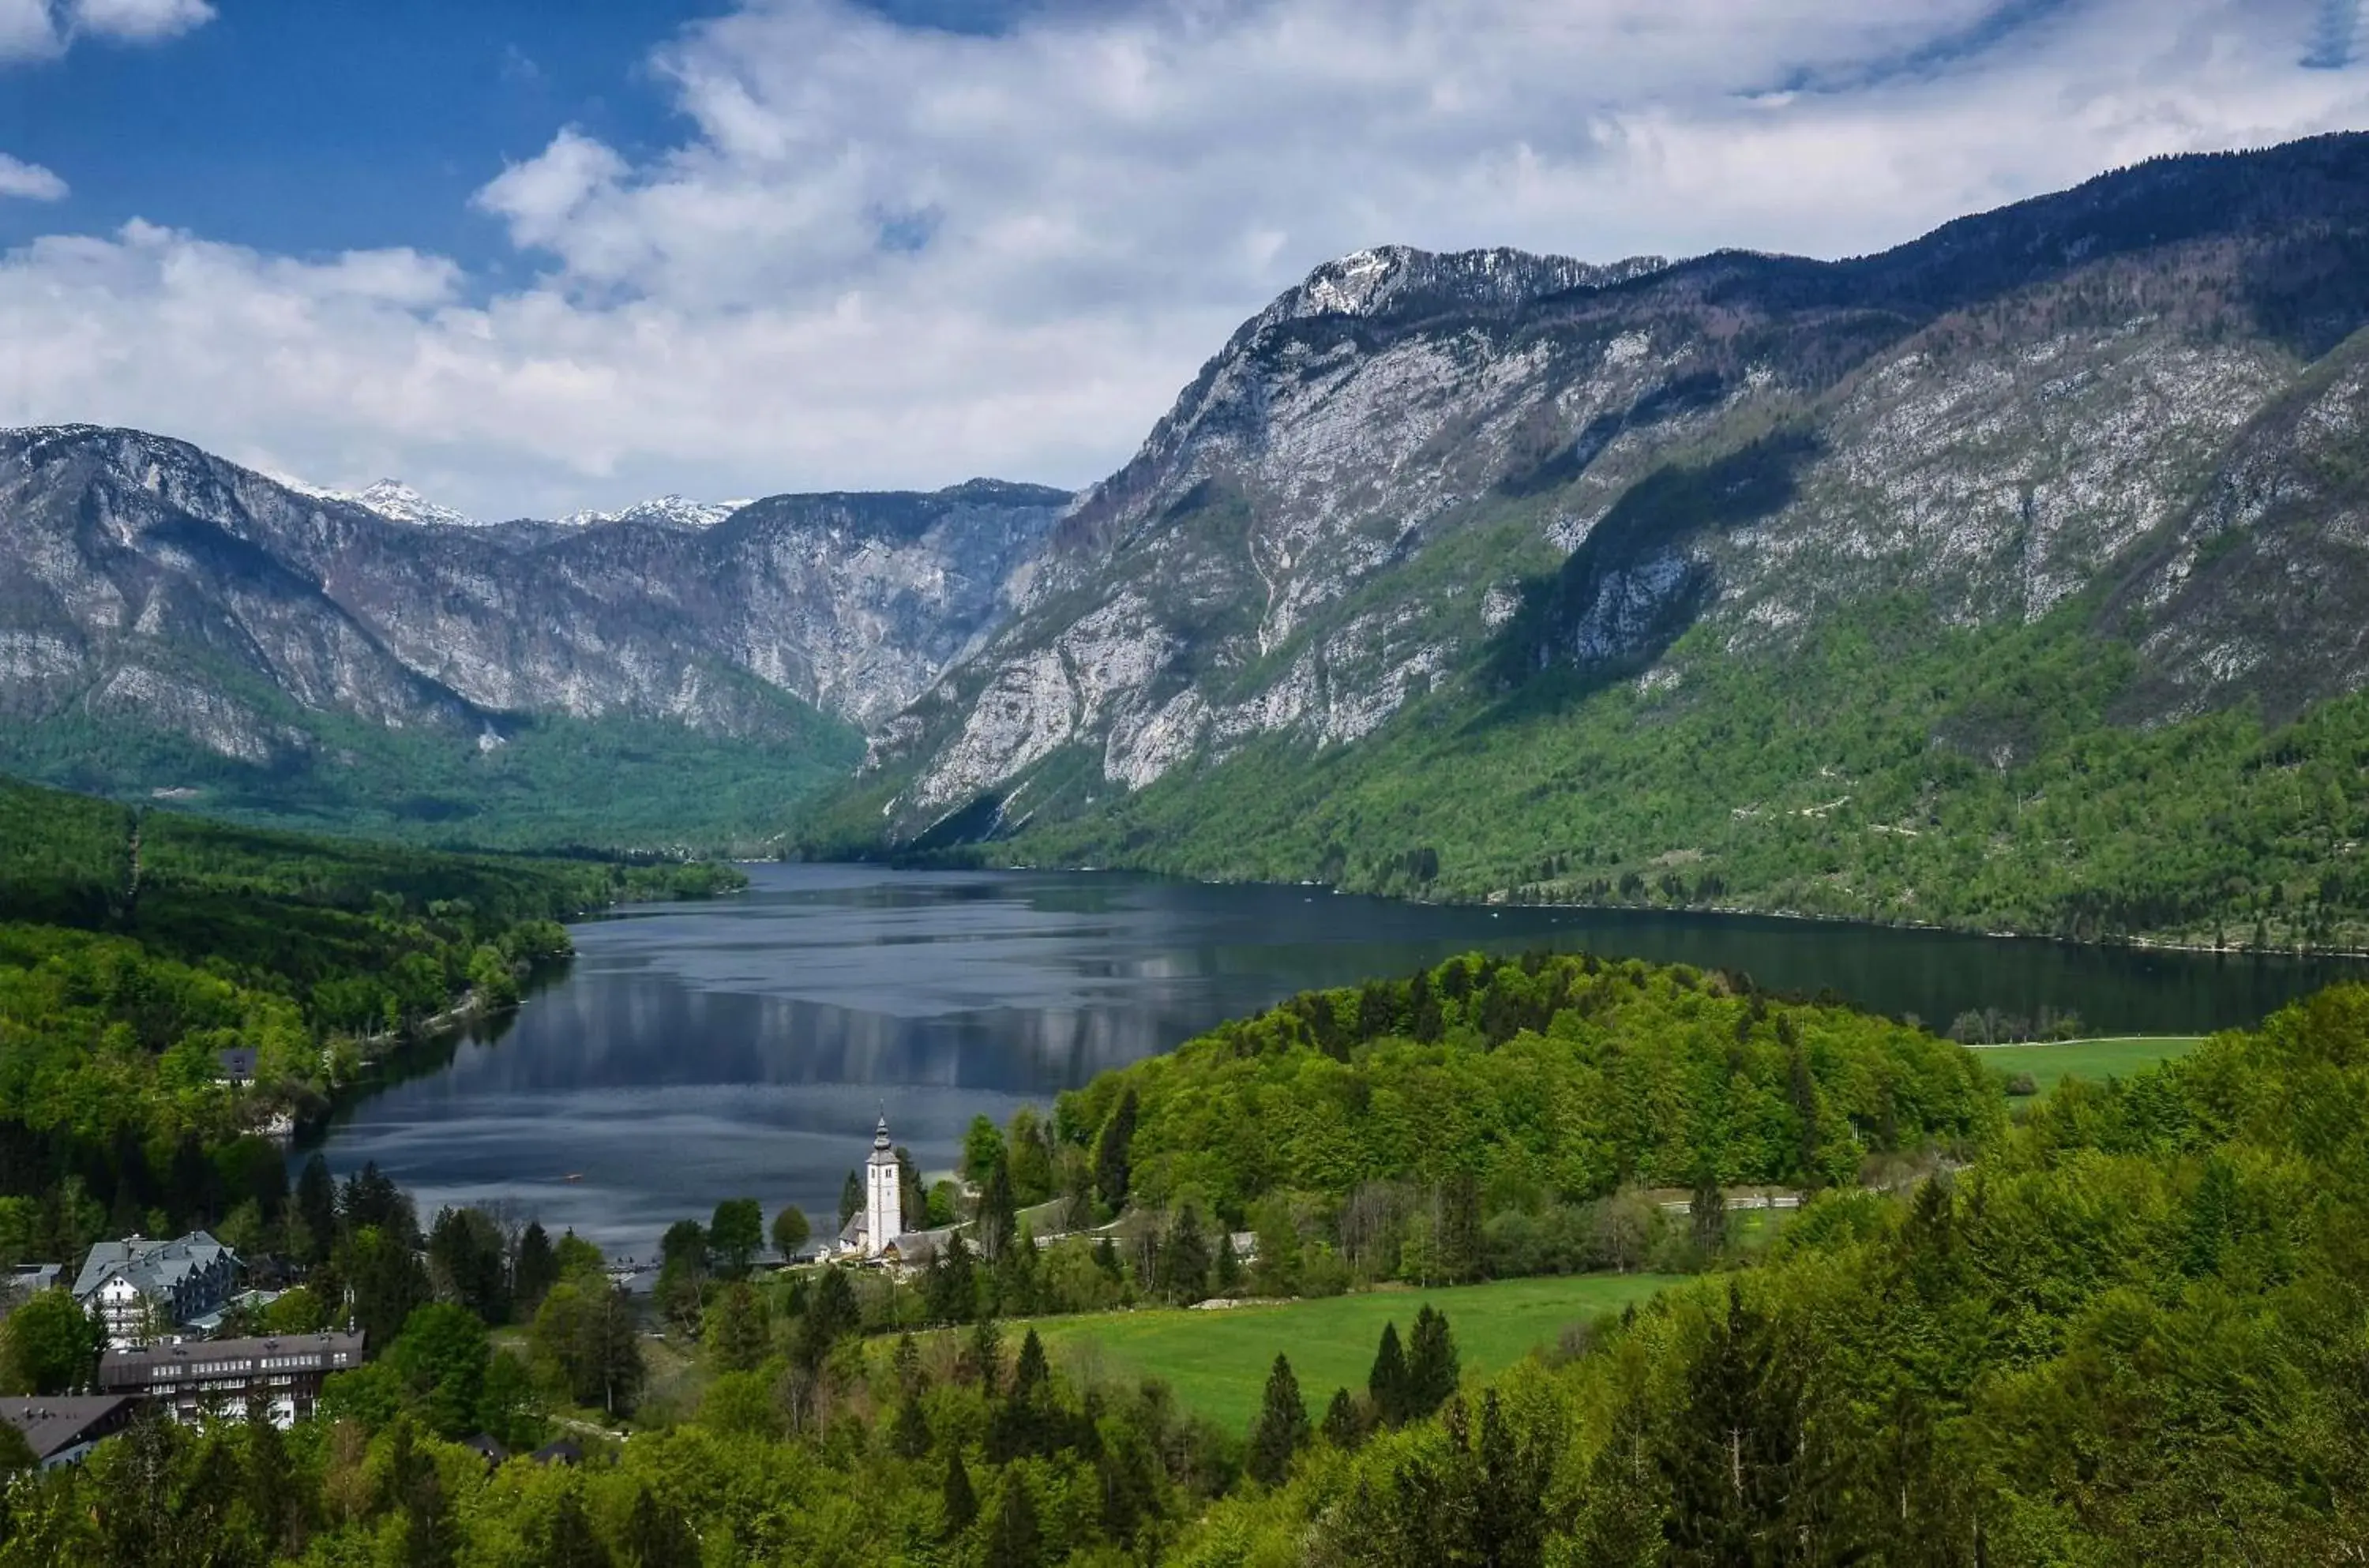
{"x":889,"y":255}
{"x":30,"y":182}
{"x":37,"y":30}
{"x":140,"y":20}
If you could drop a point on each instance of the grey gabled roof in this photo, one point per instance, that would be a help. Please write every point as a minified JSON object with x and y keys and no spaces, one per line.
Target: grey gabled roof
{"x":56,"y":1424}
{"x":154,"y":1267}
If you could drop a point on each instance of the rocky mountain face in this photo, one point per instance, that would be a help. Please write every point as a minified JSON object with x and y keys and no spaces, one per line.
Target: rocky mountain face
{"x":1430,"y":481}
{"x":145,"y":583}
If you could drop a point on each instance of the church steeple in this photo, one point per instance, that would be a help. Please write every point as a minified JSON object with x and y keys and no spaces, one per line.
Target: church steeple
{"x":884,"y":1193}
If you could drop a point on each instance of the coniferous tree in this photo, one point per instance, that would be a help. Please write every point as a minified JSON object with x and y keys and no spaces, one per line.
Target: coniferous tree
{"x":998,"y":1215}
{"x":1342,"y":1426}
{"x":537,"y":1271}
{"x":1113,"y":1152}
{"x":909,"y":1432}
{"x":1183,"y":1267}
{"x":316,"y":1204}
{"x":657,"y":1536}
{"x":1014,"y":1539}
{"x":1230,"y":1267}
{"x":984,"y":1356}
{"x":851,"y":1198}
{"x":1431,"y":1365}
{"x":1707,"y":1210}
{"x":1509,"y":1515}
{"x":950,"y":1287}
{"x":957,"y":1503}
{"x":736,"y":1330}
{"x":569,"y":1540}
{"x":1281,"y":1430}
{"x":1386,"y":1385}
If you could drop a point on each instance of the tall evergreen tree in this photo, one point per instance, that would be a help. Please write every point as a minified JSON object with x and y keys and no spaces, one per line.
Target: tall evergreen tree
{"x":909,"y":1432}
{"x":1183,"y":1263}
{"x":1015,"y":1538}
{"x":1281,"y":1430}
{"x":1342,"y":1426}
{"x":1430,"y":1367}
{"x":1707,"y":1212}
{"x":537,"y":1271}
{"x":957,"y":1503}
{"x":998,"y":1214}
{"x":316,"y":1204}
{"x":1113,"y":1152}
{"x":657,"y":1536}
{"x":737,"y":1333}
{"x":1386,"y":1385}
{"x":569,"y":1540}
{"x":851,"y":1198}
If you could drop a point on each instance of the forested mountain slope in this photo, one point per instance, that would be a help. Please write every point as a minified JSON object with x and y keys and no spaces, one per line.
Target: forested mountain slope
{"x":2010,"y":577}
{"x":171,"y":622}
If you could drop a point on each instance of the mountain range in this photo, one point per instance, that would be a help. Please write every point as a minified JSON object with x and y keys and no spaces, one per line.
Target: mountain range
{"x":2012,"y":578}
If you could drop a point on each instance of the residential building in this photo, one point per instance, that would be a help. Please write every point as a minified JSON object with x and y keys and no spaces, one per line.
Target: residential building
{"x":223,"y":1378}
{"x":142,"y":1290}
{"x":62,"y":1430}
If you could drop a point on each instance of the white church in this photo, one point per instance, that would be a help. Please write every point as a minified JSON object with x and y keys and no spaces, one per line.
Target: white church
{"x":876,"y":1234}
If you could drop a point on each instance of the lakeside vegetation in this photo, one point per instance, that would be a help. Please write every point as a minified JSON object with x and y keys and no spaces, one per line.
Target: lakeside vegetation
{"x":136,"y":947}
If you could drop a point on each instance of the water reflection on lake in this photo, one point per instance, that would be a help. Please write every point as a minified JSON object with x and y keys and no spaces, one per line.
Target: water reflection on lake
{"x":743,"y":1047}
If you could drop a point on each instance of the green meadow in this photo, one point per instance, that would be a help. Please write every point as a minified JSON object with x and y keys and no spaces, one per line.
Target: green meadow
{"x":2093,"y":1060}
{"x":1218,"y":1359}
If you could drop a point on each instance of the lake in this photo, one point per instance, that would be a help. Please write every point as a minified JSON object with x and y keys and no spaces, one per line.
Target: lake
{"x":744,"y":1047}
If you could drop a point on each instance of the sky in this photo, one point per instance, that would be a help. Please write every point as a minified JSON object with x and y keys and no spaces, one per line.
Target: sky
{"x":533,"y":257}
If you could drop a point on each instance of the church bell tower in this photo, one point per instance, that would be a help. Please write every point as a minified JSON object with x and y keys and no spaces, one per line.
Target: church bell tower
{"x":884,"y":1194}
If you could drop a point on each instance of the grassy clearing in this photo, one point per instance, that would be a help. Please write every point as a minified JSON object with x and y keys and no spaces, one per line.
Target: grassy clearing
{"x":2094,"y":1059}
{"x":1217,"y":1361}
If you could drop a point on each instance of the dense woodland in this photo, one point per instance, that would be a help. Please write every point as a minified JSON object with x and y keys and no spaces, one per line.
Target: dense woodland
{"x":2127,"y":1326}
{"x":135,"y":946}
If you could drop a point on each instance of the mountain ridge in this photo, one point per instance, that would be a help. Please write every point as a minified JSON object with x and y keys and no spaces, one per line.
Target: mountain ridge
{"x":1636,"y":491}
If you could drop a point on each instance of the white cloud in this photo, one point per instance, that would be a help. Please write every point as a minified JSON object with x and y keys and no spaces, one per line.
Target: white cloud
{"x":40,"y":29}
{"x":893,"y":255}
{"x":30,"y":182}
{"x":27,"y":31}
{"x":140,"y":20}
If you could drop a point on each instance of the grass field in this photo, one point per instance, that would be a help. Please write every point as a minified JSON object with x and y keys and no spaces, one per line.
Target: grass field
{"x":2092,"y":1059}
{"x":1217,"y":1361}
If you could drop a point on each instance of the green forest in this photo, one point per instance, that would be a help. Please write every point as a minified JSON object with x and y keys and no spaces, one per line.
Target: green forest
{"x":137,"y":946}
{"x":2126,"y":1323}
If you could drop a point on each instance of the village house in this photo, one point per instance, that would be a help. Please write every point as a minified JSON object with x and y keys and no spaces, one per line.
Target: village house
{"x":62,"y":1429}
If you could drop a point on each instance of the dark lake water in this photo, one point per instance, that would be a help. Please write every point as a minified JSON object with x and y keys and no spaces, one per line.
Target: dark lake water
{"x":743,"y":1048}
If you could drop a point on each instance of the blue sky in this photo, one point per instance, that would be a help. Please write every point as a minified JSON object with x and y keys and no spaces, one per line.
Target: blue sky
{"x":537,"y":255}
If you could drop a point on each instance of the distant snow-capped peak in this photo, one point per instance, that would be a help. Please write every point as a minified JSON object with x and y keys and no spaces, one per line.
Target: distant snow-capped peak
{"x":393,"y":499}
{"x":674,"y":512}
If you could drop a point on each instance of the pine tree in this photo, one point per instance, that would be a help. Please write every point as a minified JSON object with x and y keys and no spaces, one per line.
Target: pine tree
{"x":1014,"y":1540}
{"x":957,"y":1503}
{"x":997,"y":1212}
{"x":737,"y":1331}
{"x":984,"y":1356}
{"x":1342,"y":1428}
{"x":851,"y":1198}
{"x":1230,"y":1267}
{"x":1509,"y":1504}
{"x":1430,"y":1367}
{"x":536,"y":1270}
{"x":568,"y":1538}
{"x":1114,"y":1150}
{"x":658,"y":1537}
{"x":1281,"y":1430}
{"x":1707,"y":1212}
{"x":1386,"y":1385}
{"x":909,"y":1434}
{"x":1183,"y":1265}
